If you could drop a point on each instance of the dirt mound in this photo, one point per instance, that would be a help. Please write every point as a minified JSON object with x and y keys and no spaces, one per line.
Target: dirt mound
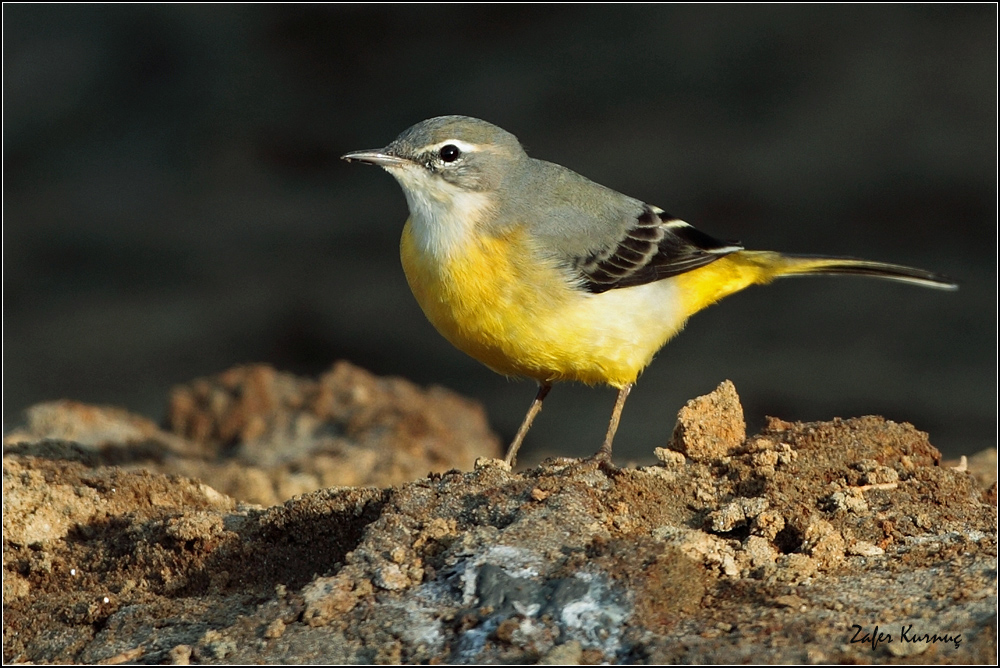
{"x":841,"y":541}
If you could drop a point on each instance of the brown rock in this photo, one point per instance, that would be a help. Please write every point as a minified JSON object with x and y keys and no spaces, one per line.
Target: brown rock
{"x":262,"y":436}
{"x":326,"y":598}
{"x":561,"y":562}
{"x":983,"y":467}
{"x":711,"y":426}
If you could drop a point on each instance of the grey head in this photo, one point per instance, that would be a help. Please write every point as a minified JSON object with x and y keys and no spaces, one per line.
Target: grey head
{"x":440,"y":161}
{"x":466,"y":152}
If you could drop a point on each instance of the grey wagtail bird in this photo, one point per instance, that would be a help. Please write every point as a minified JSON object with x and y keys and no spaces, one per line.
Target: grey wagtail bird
{"x":538,"y":272}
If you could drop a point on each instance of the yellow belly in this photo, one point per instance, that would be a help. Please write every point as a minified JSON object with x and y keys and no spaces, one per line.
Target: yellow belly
{"x":501,"y":302}
{"x":521,"y":316}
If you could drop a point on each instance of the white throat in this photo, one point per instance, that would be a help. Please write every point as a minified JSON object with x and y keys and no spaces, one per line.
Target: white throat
{"x":443,"y":216}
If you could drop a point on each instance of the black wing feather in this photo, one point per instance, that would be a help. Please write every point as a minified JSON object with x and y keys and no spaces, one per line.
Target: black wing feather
{"x":656,"y":247}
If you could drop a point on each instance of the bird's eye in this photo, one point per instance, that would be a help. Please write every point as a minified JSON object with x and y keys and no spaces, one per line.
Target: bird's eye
{"x":449,"y":153}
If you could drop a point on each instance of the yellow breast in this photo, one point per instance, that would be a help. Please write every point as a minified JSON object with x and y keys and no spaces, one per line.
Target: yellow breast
{"x":498,"y":301}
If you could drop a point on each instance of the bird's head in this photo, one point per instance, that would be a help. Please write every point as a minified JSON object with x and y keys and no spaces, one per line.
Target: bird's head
{"x":442,"y":157}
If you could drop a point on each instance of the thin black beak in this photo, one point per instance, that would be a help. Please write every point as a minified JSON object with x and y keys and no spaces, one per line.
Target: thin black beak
{"x":375,"y":157}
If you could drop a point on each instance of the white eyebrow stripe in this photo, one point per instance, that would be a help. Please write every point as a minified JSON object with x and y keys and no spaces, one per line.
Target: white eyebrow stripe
{"x":463,"y":146}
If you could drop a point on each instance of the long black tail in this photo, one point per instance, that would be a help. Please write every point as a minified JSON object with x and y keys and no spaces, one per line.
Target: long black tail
{"x":804,"y":265}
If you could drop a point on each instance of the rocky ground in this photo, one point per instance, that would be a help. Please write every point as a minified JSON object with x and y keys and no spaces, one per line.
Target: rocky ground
{"x":282,"y":519}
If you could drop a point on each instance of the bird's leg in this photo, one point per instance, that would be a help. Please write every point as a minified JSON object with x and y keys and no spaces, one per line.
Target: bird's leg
{"x":536,"y":407}
{"x":604,"y":454}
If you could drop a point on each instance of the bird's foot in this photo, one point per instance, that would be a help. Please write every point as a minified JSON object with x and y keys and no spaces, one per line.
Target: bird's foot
{"x":573,"y":467}
{"x":602,"y":460}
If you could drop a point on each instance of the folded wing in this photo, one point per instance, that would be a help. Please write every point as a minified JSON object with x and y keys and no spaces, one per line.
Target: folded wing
{"x":655,"y":247}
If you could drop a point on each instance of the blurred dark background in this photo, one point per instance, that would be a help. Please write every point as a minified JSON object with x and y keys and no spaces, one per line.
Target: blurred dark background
{"x":174,"y":202}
